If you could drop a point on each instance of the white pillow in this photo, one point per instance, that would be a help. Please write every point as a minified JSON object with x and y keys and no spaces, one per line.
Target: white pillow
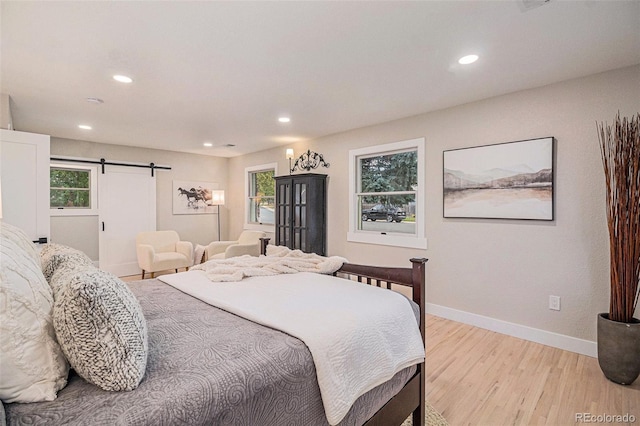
{"x":19,"y":237}
{"x":32,"y":365}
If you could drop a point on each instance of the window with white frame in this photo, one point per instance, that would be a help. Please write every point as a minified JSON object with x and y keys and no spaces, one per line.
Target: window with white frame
{"x":73,"y":190}
{"x":387,"y":194}
{"x":260,"y":187}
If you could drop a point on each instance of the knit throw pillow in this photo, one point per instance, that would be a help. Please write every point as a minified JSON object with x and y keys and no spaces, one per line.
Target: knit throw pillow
{"x":56,"y":256}
{"x":101,"y":328}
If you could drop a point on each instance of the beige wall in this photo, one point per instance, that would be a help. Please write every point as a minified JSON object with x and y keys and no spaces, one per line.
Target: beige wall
{"x":199,"y":229}
{"x":500,"y":269}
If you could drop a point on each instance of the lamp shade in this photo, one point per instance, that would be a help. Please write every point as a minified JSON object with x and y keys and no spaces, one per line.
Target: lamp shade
{"x":289,"y":154}
{"x":217,"y":197}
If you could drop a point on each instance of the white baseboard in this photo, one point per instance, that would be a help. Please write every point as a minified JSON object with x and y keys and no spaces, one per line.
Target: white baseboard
{"x":560,"y":341}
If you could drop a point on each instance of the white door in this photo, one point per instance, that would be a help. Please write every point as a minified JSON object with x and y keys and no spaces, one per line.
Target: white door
{"x":127,"y":205}
{"x":24,"y":172}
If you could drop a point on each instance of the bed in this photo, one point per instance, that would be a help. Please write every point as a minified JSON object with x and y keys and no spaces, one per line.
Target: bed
{"x":199,"y":373}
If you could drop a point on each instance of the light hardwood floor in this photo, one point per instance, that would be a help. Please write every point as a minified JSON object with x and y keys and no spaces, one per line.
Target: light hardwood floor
{"x":478,"y":377}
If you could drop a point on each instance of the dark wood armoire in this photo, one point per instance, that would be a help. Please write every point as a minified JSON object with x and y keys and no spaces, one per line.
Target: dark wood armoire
{"x":301,"y":212}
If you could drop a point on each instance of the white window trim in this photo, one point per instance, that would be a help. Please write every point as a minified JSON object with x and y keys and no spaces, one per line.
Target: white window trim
{"x":256,"y":226}
{"x":356,"y":235}
{"x":93,"y":211}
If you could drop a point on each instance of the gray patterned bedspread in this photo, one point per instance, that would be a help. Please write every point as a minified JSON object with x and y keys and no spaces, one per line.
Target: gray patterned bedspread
{"x":205,"y":367}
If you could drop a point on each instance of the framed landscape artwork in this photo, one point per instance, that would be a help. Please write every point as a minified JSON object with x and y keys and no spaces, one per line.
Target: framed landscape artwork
{"x":191,"y":197}
{"x":512,"y":180}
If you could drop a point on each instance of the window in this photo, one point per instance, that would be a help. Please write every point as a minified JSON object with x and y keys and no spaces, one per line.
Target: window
{"x":72,"y":190}
{"x":260,"y":195}
{"x":387,"y":194}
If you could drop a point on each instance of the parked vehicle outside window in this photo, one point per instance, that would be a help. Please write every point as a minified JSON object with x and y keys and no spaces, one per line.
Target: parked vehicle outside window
{"x":382,"y":212}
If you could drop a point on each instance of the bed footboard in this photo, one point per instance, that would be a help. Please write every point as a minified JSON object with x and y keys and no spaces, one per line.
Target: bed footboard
{"x":411,"y":398}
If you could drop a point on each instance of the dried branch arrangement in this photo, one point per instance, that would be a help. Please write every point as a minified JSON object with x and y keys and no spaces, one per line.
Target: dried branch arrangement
{"x":620,"y":149}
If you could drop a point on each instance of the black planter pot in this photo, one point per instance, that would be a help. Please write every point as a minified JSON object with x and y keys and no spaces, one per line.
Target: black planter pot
{"x":619,"y":349}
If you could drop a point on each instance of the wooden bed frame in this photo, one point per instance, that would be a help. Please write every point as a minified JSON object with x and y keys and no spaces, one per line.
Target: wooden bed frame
{"x":411,"y":398}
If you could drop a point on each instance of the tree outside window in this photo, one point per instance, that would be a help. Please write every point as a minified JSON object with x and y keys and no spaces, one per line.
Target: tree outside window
{"x":262,"y":197}
{"x":388,"y":186}
{"x":70,"y":188}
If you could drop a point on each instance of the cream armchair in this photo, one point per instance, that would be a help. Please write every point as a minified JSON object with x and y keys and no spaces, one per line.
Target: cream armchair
{"x":162,"y":250}
{"x":247,"y":243}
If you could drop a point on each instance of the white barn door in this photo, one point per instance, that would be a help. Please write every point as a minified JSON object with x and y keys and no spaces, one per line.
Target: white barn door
{"x":127,"y":203}
{"x":24,"y":171}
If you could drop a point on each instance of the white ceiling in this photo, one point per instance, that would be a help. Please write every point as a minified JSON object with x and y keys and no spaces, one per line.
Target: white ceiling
{"x":225,"y":71}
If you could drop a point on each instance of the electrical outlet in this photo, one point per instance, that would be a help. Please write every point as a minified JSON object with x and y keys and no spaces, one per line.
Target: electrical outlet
{"x":554,"y":303}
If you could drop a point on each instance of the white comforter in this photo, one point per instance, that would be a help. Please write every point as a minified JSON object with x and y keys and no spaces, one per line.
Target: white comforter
{"x":359,"y":335}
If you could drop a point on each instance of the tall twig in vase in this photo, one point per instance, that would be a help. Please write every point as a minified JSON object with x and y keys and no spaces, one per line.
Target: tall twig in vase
{"x":620,"y":149}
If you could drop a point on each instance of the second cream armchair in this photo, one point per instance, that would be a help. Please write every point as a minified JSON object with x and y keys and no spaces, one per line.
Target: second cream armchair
{"x":247,"y":243}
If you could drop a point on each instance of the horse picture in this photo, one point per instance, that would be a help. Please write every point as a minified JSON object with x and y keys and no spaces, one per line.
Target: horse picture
{"x":193,"y":197}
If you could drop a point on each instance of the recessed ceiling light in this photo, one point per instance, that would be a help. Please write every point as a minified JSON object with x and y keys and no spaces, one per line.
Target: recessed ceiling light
{"x":95,"y":100}
{"x":122,"y":78}
{"x":84,"y":127}
{"x":284,"y":119}
{"x":469,"y":59}
{"x":208,"y":144}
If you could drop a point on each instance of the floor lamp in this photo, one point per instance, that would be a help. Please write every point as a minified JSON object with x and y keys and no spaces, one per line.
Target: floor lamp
{"x":217,"y":199}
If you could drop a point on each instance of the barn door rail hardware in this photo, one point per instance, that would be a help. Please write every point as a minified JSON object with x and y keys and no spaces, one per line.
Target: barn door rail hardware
{"x":104,"y":162}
